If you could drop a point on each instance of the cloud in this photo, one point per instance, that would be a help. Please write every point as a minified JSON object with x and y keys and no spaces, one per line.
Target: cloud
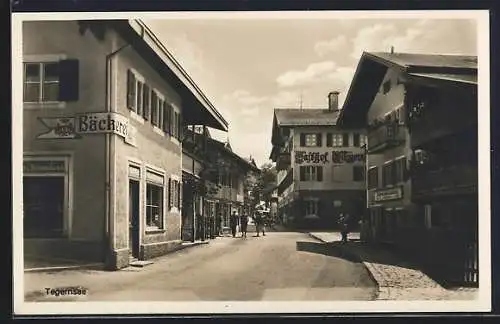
{"x":443,"y":36}
{"x":312,"y":73}
{"x":333,"y":45}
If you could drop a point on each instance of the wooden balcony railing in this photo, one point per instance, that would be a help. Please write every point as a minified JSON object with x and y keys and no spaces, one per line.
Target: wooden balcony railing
{"x":447,"y":181}
{"x":385,"y":136}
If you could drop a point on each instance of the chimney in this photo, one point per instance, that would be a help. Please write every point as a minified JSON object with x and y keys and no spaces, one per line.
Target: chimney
{"x":333,"y":101}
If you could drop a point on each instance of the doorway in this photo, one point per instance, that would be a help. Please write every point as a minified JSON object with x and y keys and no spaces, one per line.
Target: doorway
{"x":134,"y":207}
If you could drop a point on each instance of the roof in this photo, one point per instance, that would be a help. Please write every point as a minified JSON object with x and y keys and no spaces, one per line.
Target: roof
{"x":305,"y":117}
{"x":412,"y":60}
{"x":431,"y":69}
{"x":222,"y":147}
{"x":197,"y":108}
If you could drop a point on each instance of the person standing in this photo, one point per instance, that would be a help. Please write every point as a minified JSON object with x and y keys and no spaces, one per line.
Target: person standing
{"x":218,"y":224}
{"x":259,"y":224}
{"x":243,"y":225}
{"x":344,"y":226}
{"x":233,"y":222}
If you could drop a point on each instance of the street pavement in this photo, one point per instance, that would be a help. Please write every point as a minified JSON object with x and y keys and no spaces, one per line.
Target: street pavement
{"x":396,"y":279}
{"x":278,"y":266}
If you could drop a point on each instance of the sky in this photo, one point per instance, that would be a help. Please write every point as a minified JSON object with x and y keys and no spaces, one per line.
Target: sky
{"x":249,"y":67}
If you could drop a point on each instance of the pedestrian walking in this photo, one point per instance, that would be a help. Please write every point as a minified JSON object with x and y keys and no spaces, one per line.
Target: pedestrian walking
{"x":244,"y":225}
{"x":344,"y":226}
{"x":233,"y":222}
{"x":218,"y":224}
{"x":259,"y":224}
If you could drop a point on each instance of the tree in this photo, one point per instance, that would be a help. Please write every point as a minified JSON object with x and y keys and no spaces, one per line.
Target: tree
{"x":256,"y":184}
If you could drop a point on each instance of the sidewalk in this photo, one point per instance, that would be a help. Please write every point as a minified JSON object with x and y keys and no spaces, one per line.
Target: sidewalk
{"x":396,"y":279}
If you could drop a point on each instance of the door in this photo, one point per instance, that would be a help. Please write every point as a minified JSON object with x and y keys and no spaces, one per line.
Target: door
{"x":43,"y":200}
{"x":134,"y":218}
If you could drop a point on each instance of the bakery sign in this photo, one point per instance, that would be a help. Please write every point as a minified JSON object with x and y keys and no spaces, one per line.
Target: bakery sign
{"x":388,"y":194}
{"x":89,"y":123}
{"x":337,"y":157}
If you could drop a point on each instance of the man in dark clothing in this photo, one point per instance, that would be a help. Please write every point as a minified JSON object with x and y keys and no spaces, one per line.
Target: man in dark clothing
{"x":344,"y":226}
{"x":218,"y":224}
{"x":233,"y":222}
{"x":244,"y":224}
{"x":259,"y":224}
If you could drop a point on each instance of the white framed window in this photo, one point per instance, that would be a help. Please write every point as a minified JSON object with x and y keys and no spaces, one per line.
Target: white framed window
{"x":311,"y":173}
{"x":337,"y":140}
{"x":311,"y":139}
{"x":41,"y":82}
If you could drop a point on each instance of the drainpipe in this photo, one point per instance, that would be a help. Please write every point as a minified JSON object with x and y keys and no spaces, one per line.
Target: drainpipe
{"x":108,"y":156}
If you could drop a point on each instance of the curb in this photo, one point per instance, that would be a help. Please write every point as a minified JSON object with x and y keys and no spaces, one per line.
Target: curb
{"x":91,"y":266}
{"x":382,"y":291}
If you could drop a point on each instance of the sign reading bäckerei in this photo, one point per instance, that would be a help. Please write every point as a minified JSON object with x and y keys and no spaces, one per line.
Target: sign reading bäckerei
{"x":89,"y":123}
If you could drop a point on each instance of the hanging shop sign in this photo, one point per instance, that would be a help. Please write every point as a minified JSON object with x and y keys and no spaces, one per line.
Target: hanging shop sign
{"x":89,"y":123}
{"x":388,"y":194}
{"x":338,"y":157}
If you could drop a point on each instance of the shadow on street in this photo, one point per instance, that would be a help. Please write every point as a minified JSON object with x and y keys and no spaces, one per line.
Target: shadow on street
{"x":328,"y":249}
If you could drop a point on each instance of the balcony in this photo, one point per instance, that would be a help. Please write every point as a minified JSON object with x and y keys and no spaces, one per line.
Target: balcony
{"x":385,"y":136}
{"x":449,"y":181}
{"x":286,"y":182}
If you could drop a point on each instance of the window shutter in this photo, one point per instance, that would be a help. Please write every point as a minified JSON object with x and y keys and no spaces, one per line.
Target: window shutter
{"x":319,"y":171}
{"x":181,"y":130}
{"x":130,"y":91}
{"x":145,"y":106}
{"x":179,"y":194}
{"x":345,"y":139}
{"x":404,"y":168}
{"x":170,"y":194}
{"x":302,"y":173}
{"x":68,"y":80}
{"x":302,"y":139}
{"x":329,"y":140}
{"x":356,"y":139}
{"x":318,"y":139}
{"x":165,"y":117}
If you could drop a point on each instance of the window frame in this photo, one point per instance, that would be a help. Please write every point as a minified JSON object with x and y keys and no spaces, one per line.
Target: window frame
{"x":312,"y":207}
{"x":374,"y":170}
{"x":362,"y":170}
{"x":159,"y":205}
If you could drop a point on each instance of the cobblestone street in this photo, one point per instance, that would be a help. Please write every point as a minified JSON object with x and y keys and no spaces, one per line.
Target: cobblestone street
{"x":396,"y":279}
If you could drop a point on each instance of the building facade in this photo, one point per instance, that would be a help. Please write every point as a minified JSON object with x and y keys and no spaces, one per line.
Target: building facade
{"x":321,"y":168}
{"x":104,"y":104}
{"x":420,"y":112}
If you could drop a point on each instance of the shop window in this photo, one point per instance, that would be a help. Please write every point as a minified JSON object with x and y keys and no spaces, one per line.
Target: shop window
{"x":154,"y":204}
{"x":373,"y":178}
{"x":358,"y":173}
{"x":311,"y":173}
{"x":310,"y":139}
{"x":43,"y":202}
{"x":50,"y":82}
{"x":312,"y":207}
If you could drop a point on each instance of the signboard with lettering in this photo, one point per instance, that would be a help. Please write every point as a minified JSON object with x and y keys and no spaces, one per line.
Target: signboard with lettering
{"x":337,"y":157}
{"x":47,"y":166}
{"x":388,"y":194}
{"x":90,"y":123}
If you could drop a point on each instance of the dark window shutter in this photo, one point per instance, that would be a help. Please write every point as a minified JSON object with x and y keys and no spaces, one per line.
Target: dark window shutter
{"x":404,"y":169}
{"x":329,"y":140}
{"x":179,"y":194}
{"x":154,"y":108}
{"x":69,"y":80}
{"x":181,"y":130}
{"x":356,"y":140}
{"x":319,"y":170}
{"x":170,"y":194}
{"x":345,"y":139}
{"x":302,"y":139}
{"x":145,"y":105}
{"x":130,"y":91}
{"x":318,"y":139}
{"x":302,"y":173}
{"x":165,"y":117}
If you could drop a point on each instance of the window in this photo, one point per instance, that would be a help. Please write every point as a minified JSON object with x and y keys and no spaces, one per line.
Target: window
{"x":400,"y":171}
{"x":154,"y":108}
{"x":154,"y":204}
{"x":362,"y":140}
{"x":161,"y":104}
{"x":358,"y":173}
{"x":337,"y":174}
{"x":312,"y":207}
{"x":41,"y":82}
{"x":345,"y":139}
{"x":311,"y":173}
{"x":310,"y":140}
{"x":356,"y":140}
{"x":386,"y":86}
{"x":167,"y":116}
{"x":337,"y":140}
{"x":388,"y":174}
{"x":131,"y":90}
{"x":372,"y":178}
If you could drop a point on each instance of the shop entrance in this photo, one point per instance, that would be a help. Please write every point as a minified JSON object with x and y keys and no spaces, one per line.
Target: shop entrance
{"x":134,"y":218}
